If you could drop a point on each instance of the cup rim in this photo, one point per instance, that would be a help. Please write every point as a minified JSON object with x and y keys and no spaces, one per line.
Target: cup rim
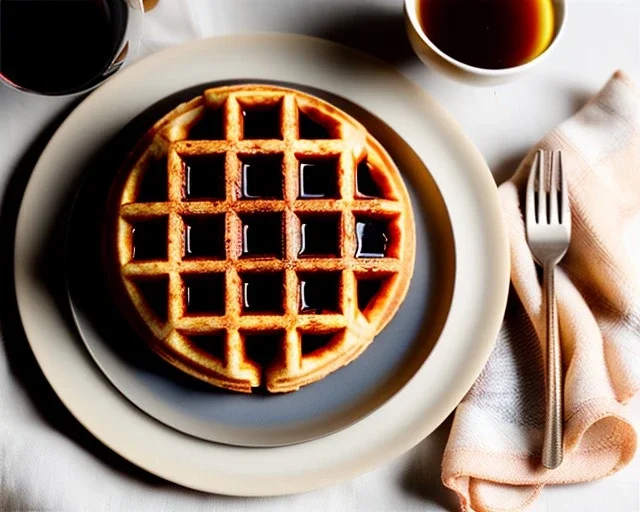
{"x":411,"y":10}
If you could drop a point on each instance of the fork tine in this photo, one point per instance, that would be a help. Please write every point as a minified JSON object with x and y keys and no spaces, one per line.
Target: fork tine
{"x":530,"y":195}
{"x":542,"y":190}
{"x":565,"y":214}
{"x":554,"y":188}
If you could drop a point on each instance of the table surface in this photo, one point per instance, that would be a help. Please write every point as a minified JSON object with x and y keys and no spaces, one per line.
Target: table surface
{"x":601,"y":36}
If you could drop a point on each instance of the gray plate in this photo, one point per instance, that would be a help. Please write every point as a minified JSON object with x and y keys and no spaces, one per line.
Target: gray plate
{"x":261,"y":420}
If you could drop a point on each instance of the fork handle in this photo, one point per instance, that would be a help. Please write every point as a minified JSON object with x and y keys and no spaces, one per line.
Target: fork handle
{"x":552,"y":448}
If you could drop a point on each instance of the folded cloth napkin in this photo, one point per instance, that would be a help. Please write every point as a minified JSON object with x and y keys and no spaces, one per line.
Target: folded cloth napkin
{"x":492,"y":458}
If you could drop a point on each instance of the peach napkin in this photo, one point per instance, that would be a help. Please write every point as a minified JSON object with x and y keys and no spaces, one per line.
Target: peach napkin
{"x":492,"y":458}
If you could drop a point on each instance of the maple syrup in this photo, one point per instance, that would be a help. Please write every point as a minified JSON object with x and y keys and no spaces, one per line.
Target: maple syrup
{"x":489,"y":34}
{"x":319,"y":293}
{"x":262,"y":235}
{"x":319,"y":236}
{"x":372,"y":239}
{"x":205,"y":294}
{"x":262,"y":292}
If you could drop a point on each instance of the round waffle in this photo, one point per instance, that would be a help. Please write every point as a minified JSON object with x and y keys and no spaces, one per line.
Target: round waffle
{"x":259,"y":237}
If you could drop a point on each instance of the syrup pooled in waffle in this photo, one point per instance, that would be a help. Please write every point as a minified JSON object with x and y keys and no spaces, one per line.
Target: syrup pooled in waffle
{"x":261,"y":238}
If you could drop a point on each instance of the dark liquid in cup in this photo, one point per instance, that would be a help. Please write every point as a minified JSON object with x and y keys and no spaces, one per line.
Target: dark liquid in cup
{"x":59,"y":46}
{"x":490,"y":34}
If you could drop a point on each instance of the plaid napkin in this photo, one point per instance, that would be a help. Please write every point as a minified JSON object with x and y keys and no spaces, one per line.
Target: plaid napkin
{"x":492,"y":459}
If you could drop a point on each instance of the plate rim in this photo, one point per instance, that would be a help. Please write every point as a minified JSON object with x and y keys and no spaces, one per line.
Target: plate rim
{"x":321,"y":472}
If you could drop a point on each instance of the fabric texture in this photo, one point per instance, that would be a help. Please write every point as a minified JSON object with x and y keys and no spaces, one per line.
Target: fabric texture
{"x":492,"y":459}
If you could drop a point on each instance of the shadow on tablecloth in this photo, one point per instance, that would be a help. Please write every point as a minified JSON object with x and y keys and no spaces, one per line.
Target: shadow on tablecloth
{"x":22,"y":362}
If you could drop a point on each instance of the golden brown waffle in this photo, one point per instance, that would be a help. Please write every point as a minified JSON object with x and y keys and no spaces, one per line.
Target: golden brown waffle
{"x":259,"y":237}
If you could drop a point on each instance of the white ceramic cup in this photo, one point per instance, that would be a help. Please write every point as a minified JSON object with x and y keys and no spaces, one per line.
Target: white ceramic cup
{"x":435,"y":58}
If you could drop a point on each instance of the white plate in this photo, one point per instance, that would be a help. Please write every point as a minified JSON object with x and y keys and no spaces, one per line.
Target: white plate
{"x":259,"y":420}
{"x":477,"y":306}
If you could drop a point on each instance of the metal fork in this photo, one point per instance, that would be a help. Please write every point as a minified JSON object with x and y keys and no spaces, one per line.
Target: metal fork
{"x":548,"y":220}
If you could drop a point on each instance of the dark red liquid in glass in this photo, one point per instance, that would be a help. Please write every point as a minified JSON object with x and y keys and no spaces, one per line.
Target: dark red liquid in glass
{"x":490,"y":34}
{"x":59,"y":46}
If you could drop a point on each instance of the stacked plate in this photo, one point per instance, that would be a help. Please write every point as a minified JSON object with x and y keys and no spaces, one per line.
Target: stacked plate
{"x":402,"y":387}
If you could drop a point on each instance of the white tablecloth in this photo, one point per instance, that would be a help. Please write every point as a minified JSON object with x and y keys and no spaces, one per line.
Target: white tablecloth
{"x":49,"y":462}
